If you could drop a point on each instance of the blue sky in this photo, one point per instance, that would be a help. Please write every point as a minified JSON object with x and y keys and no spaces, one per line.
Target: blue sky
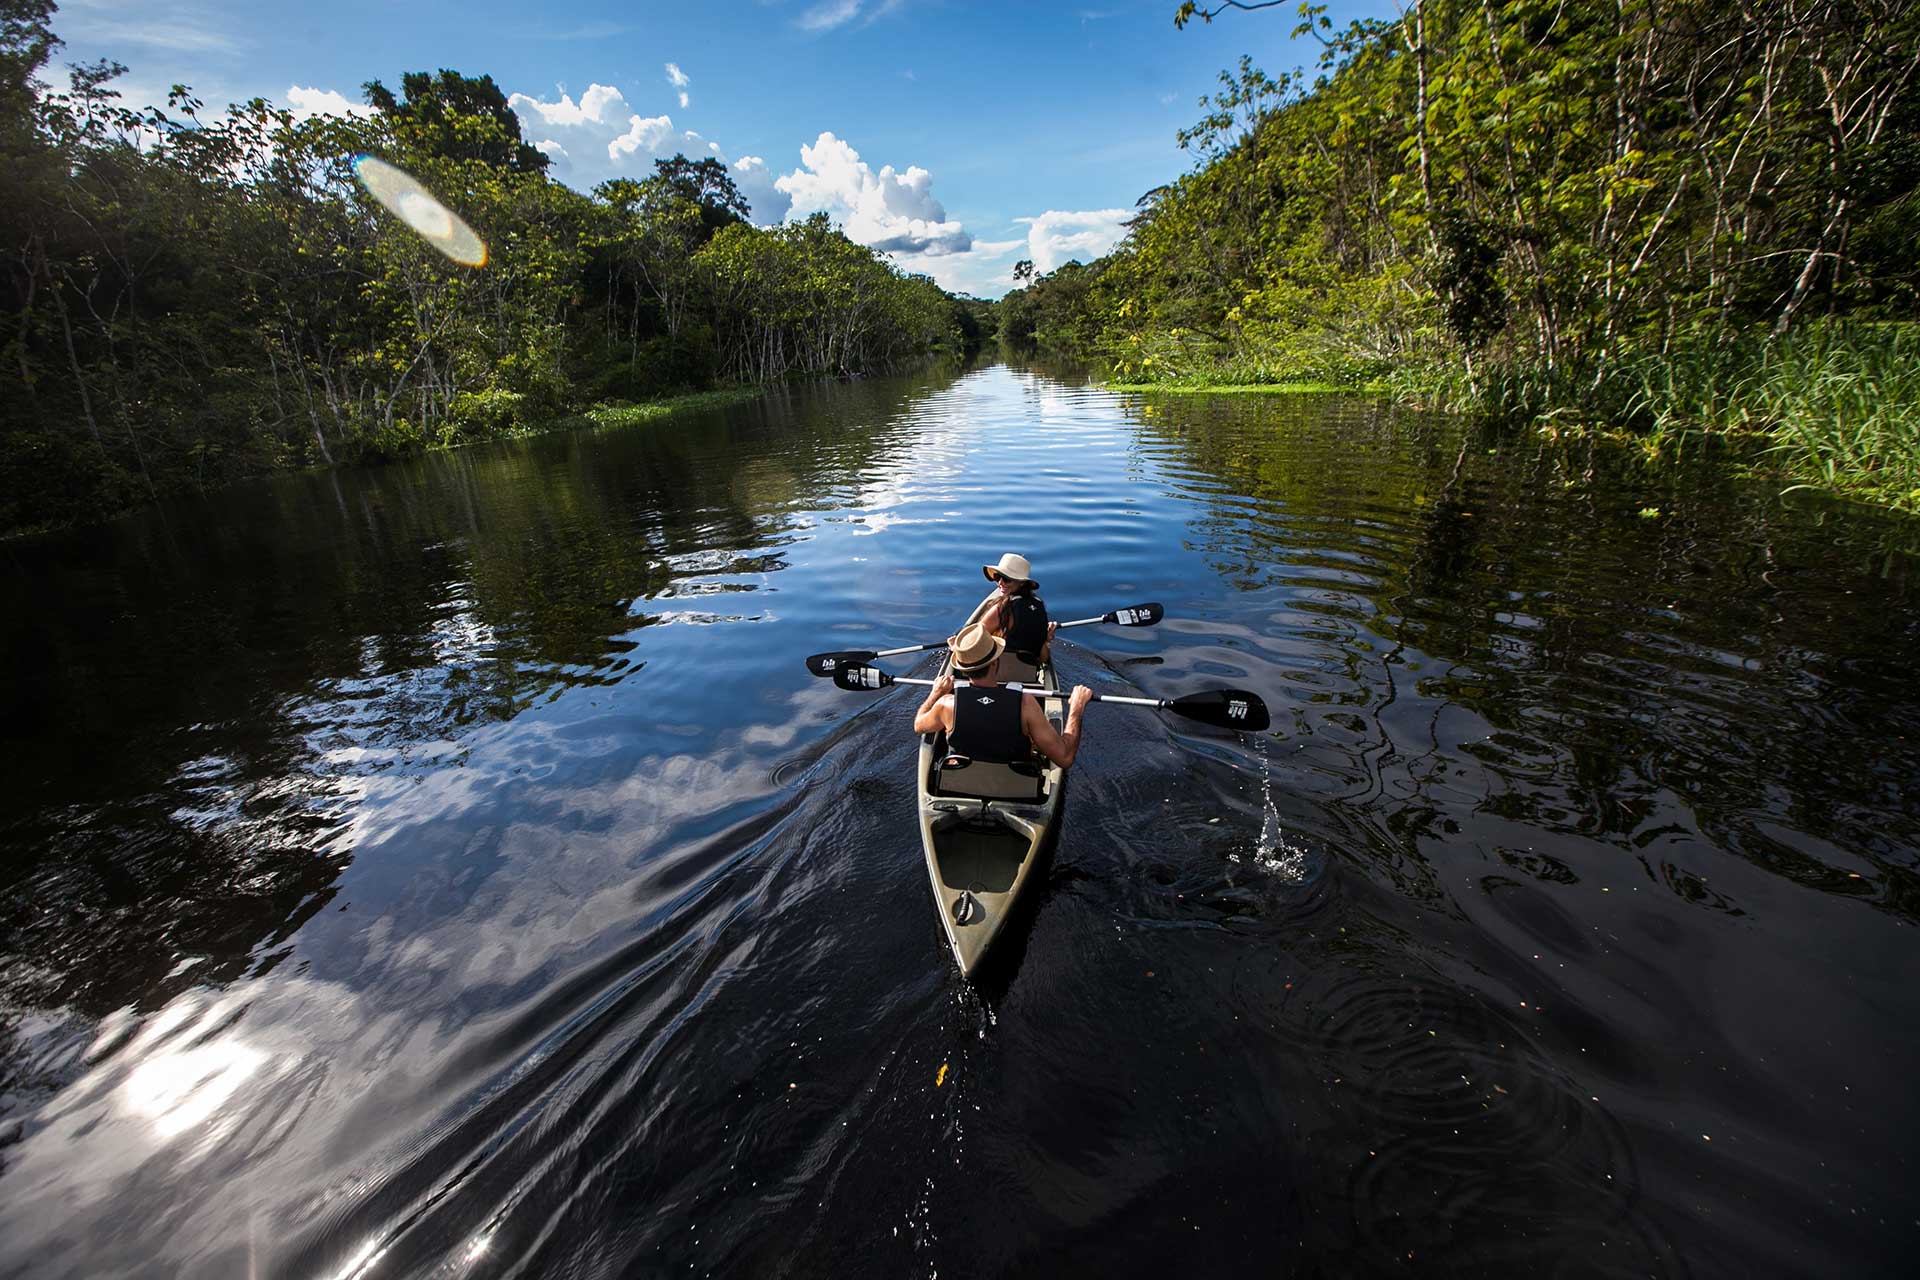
{"x":962,"y":136}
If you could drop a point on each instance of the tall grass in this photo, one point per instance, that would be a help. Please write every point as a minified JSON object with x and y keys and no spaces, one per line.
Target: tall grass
{"x":1839,"y":403}
{"x":1832,"y":406}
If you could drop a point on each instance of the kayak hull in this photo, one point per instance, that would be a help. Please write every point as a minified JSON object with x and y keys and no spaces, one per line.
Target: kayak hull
{"x":982,"y":852}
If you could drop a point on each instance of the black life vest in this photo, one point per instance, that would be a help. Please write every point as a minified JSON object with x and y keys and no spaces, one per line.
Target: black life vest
{"x":986,"y":725}
{"x":1026,"y":626}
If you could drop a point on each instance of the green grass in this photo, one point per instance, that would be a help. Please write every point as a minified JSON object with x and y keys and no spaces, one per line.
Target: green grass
{"x":621,"y":414}
{"x":1193,"y":388}
{"x":1830,"y":406}
{"x":1838,"y":404}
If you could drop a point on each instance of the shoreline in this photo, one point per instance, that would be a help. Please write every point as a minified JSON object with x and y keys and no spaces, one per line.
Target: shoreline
{"x":1234,"y":388}
{"x":603,"y":417}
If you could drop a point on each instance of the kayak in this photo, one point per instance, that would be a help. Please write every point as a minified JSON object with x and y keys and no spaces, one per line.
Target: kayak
{"x":984,"y":828}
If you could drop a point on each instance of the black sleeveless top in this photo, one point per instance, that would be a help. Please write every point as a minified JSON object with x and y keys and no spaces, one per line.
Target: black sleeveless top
{"x":986,"y":726}
{"x":1026,"y":629}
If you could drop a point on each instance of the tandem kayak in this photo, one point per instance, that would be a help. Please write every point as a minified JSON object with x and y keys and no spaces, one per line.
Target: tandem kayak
{"x":985,"y":827}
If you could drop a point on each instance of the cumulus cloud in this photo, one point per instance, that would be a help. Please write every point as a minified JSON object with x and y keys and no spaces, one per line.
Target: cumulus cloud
{"x":601,"y":136}
{"x":1053,"y":239}
{"x":676,"y":77}
{"x":985,"y":270}
{"x":1056,"y":237}
{"x":306,"y":102}
{"x":756,"y":183}
{"x":892,"y":211}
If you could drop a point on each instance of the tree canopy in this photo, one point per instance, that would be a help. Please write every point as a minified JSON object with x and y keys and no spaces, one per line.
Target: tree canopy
{"x":192,"y":298}
{"x":1549,"y":184}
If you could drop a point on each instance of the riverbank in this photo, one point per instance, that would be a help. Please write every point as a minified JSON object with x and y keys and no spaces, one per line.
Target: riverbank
{"x":1834,"y":407}
{"x":1225,"y":388}
{"x":609,"y":416}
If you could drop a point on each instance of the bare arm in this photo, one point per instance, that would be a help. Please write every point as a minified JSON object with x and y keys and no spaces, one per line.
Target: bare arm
{"x":1057,"y":746}
{"x":936,"y":710}
{"x":990,"y":617}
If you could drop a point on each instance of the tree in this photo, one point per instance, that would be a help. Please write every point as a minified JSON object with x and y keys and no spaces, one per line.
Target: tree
{"x":456,"y":117}
{"x":26,"y":42}
{"x":707,"y":183}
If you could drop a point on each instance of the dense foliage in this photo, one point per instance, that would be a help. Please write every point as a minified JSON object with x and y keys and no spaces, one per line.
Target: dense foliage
{"x":1519,"y":199}
{"x":191,"y":298}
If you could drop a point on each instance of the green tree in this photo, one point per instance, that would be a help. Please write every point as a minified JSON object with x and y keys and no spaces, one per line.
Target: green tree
{"x":455,"y":117}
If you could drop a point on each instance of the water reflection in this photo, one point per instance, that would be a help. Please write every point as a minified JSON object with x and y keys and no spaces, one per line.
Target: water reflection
{"x":180,"y":1090}
{"x":450,"y":869}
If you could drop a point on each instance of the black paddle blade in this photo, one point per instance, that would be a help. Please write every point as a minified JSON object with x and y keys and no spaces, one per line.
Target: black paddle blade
{"x":855,"y":676}
{"x":1138,"y":615}
{"x":825,"y":664}
{"x":1225,"y":709}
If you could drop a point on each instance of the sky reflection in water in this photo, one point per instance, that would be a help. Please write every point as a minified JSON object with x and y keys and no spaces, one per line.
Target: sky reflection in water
{"x":451,"y":866}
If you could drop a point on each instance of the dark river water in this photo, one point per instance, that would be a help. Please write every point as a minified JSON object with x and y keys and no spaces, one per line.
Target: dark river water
{"x":451,"y":869}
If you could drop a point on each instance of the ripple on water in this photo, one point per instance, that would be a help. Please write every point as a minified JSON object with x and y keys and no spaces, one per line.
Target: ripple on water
{"x":454,"y":860}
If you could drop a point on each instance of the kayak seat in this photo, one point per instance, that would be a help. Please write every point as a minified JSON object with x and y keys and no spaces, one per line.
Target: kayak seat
{"x":979,"y":779}
{"x":1013,"y":670}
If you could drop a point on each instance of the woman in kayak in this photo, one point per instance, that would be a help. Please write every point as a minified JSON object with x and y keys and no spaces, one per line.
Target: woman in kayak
{"x":1016,"y":614}
{"x":981,"y":722}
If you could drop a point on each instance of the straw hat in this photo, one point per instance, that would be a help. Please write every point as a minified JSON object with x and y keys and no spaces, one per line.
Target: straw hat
{"x":1011,"y":566}
{"x":974,"y":648}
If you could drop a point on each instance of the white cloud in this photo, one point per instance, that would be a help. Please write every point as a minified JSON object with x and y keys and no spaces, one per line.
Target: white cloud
{"x":306,"y":102}
{"x":829,"y":14}
{"x":601,"y":136}
{"x":598,"y":105}
{"x":985,"y":270}
{"x":1055,"y":237}
{"x":113,"y":23}
{"x":679,"y":80}
{"x":892,"y":211}
{"x":755,"y":180}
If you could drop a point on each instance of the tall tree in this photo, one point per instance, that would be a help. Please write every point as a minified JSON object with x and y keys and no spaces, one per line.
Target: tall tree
{"x":456,"y":117}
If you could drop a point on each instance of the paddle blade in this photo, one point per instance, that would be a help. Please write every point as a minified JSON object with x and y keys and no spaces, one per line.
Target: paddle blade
{"x":855,"y":676}
{"x":1137,"y":615}
{"x":1225,"y":709}
{"x":825,"y":664}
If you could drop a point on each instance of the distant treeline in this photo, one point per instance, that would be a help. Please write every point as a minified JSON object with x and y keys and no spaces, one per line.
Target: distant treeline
{"x":1625,"y":206}
{"x":189,"y":299}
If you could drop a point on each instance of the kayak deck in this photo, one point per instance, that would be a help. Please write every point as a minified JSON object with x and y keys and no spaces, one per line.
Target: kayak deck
{"x":981,"y":851}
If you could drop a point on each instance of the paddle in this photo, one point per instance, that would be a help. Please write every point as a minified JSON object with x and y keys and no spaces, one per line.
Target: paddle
{"x":1221,"y":708}
{"x":825,"y":664}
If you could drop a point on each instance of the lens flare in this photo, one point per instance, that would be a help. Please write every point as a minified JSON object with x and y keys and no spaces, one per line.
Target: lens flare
{"x":403,"y":197}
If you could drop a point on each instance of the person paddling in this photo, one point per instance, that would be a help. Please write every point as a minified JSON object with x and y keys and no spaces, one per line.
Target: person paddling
{"x":1016,"y":614}
{"x":982,"y":722}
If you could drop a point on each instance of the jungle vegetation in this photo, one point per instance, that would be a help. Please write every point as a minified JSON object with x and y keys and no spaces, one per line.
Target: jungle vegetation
{"x":1663,"y":216}
{"x":191,"y":297}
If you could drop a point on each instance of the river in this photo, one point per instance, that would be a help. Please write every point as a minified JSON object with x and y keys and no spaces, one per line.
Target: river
{"x":450,"y":869}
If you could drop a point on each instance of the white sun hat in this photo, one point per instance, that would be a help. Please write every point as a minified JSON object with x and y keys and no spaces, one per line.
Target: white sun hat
{"x":1010,"y":566}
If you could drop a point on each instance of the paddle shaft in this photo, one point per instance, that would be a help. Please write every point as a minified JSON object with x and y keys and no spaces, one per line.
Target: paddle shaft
{"x":1041,"y":691}
{"x":941,"y":644}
